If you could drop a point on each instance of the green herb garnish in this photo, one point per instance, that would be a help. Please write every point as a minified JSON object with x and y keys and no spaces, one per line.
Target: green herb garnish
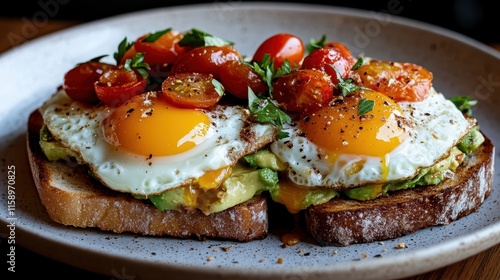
{"x":156,"y":35}
{"x":123,"y":47}
{"x":267,"y":112}
{"x":464,"y":104}
{"x":219,"y":88}
{"x":365,"y":106}
{"x":347,"y":86}
{"x":137,"y":63}
{"x":197,"y":38}
{"x":98,"y":58}
{"x":315,"y":44}
{"x":95,"y":59}
{"x":358,"y":64}
{"x":266,"y":70}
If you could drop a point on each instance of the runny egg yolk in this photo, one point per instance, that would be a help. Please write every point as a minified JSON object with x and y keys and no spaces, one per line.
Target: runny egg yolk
{"x":148,"y":125}
{"x":339,"y":129}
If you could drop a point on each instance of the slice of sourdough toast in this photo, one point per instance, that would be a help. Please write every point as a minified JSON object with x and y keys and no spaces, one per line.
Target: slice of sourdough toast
{"x":73,"y":198}
{"x":341,"y":222}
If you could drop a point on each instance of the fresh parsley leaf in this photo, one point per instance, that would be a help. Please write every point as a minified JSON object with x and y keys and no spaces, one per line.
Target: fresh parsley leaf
{"x":197,"y":38}
{"x":219,"y":88}
{"x":95,"y":59}
{"x":267,"y":112}
{"x":464,"y":104}
{"x":98,"y":58}
{"x":123,"y":47}
{"x":137,"y":63}
{"x":347,"y":86}
{"x":283,"y":70}
{"x":365,"y":106}
{"x":315,"y":44}
{"x":156,"y":35}
{"x":282,"y":135}
{"x":266,"y":70}
{"x":358,"y":64}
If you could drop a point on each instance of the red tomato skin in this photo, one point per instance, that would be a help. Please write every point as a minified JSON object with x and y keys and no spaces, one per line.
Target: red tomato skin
{"x":237,"y":77}
{"x":281,"y":47}
{"x":400,"y":81}
{"x":205,"y":60}
{"x":79,"y":81}
{"x":190,"y":90}
{"x":165,"y":50}
{"x":303,"y":90}
{"x":116,"y":86}
{"x":336,"y":55}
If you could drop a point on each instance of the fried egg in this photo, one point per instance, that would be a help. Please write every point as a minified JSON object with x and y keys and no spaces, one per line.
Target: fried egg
{"x":337,"y":148}
{"x":147,"y":146}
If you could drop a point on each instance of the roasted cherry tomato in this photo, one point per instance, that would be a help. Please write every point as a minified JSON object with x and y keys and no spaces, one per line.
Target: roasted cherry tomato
{"x":303,"y":90}
{"x":333,"y":56}
{"x":205,"y":60}
{"x":237,"y":77}
{"x":281,"y":47}
{"x":191,"y":90}
{"x":162,"y":50}
{"x":118,"y":85}
{"x":79,"y":81}
{"x":400,"y":81}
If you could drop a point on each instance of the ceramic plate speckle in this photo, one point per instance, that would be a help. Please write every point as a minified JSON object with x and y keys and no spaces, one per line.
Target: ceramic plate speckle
{"x":31,"y":72}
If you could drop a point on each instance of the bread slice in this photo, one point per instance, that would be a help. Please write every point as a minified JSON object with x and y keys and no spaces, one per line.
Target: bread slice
{"x":73,"y":198}
{"x":342,"y":222}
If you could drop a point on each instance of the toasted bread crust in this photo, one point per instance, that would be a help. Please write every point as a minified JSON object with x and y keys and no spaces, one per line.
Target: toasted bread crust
{"x":71,"y":197}
{"x":341,"y":222}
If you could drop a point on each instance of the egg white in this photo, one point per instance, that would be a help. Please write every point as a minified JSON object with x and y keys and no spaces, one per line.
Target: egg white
{"x":437,"y":126}
{"x":77,"y":127}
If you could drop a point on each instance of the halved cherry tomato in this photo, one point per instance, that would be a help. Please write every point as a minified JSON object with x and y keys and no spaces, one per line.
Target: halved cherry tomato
{"x":79,"y":81}
{"x":162,"y":51}
{"x":281,"y":47}
{"x":237,"y":77}
{"x":118,"y":85}
{"x":191,"y":90}
{"x":303,"y":90}
{"x":205,"y":60}
{"x":400,"y":81}
{"x":333,"y":56}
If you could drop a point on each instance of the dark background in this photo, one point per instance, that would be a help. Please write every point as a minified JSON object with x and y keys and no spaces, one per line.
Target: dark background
{"x":475,"y":19}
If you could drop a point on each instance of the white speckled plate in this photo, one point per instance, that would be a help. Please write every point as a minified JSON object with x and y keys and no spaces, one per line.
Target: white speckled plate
{"x":31,"y":72}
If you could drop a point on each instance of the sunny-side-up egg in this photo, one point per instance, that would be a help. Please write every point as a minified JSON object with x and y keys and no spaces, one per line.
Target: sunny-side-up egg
{"x":147,"y":146}
{"x":335,"y":147}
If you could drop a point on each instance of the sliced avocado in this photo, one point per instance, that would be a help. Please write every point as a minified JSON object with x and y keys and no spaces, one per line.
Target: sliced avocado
{"x":365,"y":192}
{"x":243,"y":183}
{"x":319,"y":196}
{"x":265,"y":159}
{"x":268,"y":176}
{"x":472,"y":141}
{"x":238,"y":189}
{"x":169,"y":200}
{"x":52,"y":149}
{"x":427,"y":176}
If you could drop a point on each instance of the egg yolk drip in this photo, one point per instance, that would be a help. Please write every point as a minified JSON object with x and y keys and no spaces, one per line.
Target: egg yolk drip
{"x":339,"y":129}
{"x":148,"y":125}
